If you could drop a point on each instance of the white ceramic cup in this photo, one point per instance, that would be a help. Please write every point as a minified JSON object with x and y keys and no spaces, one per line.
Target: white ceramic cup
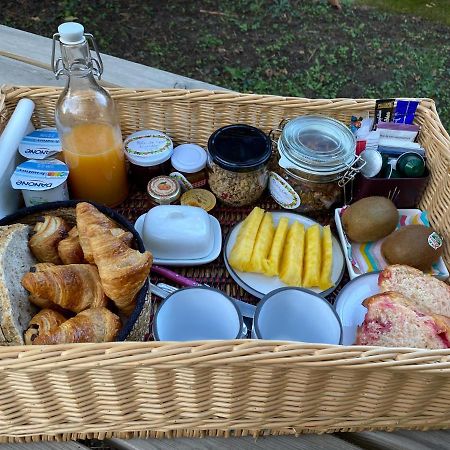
{"x":295,"y":314}
{"x":198,"y":313}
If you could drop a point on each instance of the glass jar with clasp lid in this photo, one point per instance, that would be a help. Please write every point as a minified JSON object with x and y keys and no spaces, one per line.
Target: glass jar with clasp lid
{"x":316,"y":158}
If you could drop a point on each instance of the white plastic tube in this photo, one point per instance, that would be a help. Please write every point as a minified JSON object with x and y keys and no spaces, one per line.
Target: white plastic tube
{"x":18,"y":126}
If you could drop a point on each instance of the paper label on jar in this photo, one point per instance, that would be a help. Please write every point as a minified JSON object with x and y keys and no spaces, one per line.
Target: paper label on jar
{"x":282,"y":192}
{"x":182,"y":180}
{"x":148,"y":144}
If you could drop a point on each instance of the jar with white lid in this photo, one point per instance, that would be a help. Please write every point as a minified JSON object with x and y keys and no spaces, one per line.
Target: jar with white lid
{"x":314,"y":154}
{"x":189,"y":166}
{"x":149,"y":153}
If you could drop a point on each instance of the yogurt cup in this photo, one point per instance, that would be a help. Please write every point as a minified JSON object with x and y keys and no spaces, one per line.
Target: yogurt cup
{"x":41,"y":181}
{"x":40,"y":144}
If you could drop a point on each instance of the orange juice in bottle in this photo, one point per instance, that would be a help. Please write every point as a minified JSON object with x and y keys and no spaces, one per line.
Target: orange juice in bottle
{"x":87,"y":123}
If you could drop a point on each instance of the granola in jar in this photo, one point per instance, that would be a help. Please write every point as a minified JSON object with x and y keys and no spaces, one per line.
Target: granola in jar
{"x":314,"y":154}
{"x":237,"y":164}
{"x":237,"y":188}
{"x":314,"y":195}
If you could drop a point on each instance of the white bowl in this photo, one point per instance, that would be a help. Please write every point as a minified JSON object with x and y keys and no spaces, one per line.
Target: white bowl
{"x":178,"y":232}
{"x":198,"y":313}
{"x":295,"y":314}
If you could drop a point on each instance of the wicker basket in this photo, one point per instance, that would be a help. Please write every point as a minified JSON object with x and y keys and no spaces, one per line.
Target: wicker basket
{"x":222,"y":388}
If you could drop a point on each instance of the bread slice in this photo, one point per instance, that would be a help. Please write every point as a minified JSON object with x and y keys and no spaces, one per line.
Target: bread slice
{"x":15,"y":260}
{"x":429,"y":294}
{"x":392,"y":321}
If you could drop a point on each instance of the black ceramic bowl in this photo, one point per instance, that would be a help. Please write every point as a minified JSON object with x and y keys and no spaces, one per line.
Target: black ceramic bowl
{"x":66,"y":209}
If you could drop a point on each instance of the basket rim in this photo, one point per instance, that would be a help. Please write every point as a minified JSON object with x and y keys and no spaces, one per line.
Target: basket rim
{"x":236,"y":353}
{"x":9,"y":92}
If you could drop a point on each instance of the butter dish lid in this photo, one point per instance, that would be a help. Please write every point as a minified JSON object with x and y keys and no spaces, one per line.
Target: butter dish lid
{"x":178,"y":232}
{"x":40,"y":144}
{"x":39,"y":175}
{"x":148,"y":148}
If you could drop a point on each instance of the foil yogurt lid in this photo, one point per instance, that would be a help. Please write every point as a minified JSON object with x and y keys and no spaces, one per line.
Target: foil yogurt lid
{"x":39,"y":175}
{"x":40,"y":144}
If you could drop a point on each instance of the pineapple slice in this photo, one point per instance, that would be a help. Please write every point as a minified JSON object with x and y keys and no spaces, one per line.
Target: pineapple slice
{"x":263,"y":243}
{"x":242,"y":250}
{"x":292,"y":262}
{"x":327,"y":259}
{"x":313,"y":253}
{"x":272,"y":263}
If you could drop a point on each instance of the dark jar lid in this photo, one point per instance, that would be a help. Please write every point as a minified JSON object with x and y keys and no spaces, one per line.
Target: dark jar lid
{"x":239,"y":148}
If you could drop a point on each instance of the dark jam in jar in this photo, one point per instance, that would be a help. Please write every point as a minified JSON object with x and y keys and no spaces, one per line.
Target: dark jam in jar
{"x":148,"y":153}
{"x":141,"y":175}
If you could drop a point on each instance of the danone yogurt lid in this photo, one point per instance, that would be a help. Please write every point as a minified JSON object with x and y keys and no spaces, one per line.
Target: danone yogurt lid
{"x":148,"y":148}
{"x":40,"y":144}
{"x":39,"y":175}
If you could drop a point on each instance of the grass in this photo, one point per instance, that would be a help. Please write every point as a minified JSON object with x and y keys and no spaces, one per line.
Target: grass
{"x":436,"y":10}
{"x":286,"y":47}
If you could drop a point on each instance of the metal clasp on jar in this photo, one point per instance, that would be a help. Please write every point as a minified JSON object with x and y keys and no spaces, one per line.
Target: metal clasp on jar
{"x":349,"y":176}
{"x":352,"y":171}
{"x":274,"y":133}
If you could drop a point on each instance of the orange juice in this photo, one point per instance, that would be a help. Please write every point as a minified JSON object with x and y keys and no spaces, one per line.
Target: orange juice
{"x":93,"y":152}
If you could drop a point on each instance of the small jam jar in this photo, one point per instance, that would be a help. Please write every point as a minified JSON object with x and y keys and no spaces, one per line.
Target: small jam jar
{"x":163,"y":190}
{"x":189,"y":166}
{"x":149,"y":153}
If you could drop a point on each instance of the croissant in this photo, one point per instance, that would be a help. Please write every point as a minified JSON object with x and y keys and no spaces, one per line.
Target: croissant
{"x":39,"y":267}
{"x":44,"y":243}
{"x":69,"y":249}
{"x":122,"y":270}
{"x":87,"y":215}
{"x":41,"y":302}
{"x":125,"y":236}
{"x":91,"y":325}
{"x":42,"y":323}
{"x":38,"y":301}
{"x":74,"y":287}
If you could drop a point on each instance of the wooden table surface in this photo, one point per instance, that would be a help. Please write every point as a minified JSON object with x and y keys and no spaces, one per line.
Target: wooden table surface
{"x":25,"y":60}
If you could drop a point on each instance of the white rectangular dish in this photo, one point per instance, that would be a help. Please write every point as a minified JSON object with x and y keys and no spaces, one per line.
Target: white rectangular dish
{"x":366,"y":258}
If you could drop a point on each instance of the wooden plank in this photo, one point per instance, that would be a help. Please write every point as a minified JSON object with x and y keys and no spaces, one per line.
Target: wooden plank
{"x":400,"y":440}
{"x":17,"y":72}
{"x":302,"y":442}
{"x":36,"y":51}
{"x":45,"y":446}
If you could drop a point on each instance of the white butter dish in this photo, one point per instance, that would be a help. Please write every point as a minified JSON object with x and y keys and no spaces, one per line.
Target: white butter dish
{"x":180,"y":235}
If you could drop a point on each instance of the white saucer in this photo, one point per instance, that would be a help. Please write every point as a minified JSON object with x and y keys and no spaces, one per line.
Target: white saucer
{"x":260,"y":285}
{"x":215,"y":252}
{"x":348,"y":304}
